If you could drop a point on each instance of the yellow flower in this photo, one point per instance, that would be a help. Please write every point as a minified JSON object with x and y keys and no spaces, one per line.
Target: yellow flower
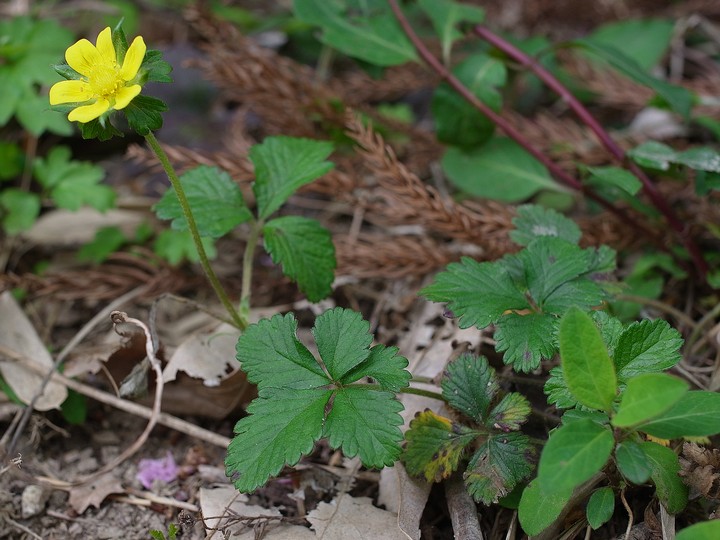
{"x":105,"y":84}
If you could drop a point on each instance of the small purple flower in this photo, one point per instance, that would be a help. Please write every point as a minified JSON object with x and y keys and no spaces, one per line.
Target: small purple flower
{"x":163,"y":469}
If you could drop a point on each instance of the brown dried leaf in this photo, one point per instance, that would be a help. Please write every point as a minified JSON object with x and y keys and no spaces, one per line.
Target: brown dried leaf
{"x":700,"y":469}
{"x":94,"y":493}
{"x":350,"y":518}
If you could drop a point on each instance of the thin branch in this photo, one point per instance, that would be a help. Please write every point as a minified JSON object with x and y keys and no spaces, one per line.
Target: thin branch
{"x":511,"y":131}
{"x":603,"y":136}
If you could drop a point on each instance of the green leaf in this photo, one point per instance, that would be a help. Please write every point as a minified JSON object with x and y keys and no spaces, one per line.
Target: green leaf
{"x":343,"y":339}
{"x":508,"y":415}
{"x":670,"y":489}
{"x":573,"y":415}
{"x":284,"y":164}
{"x":445,"y":16}
{"x":12,"y":160}
{"x":470,"y":386}
{"x":144,"y":114}
{"x":701,"y":159}
{"x":645,"y":41}
{"x":435,"y":446}
{"x":373,"y":37}
{"x":18,"y":209}
{"x":215,"y":200}
{"x":372,"y":413}
{"x":587,"y":368}
{"x":478,"y":293}
{"x":533,"y":221}
{"x":36,"y":117}
{"x":600,"y":507}
{"x":74,"y":408}
{"x":384,"y":366}
{"x":176,"y":246}
{"x":632,"y":462}
{"x":572,"y":454}
{"x":653,"y":155}
{"x":610,"y":329}
{"x":296,"y":394}
{"x":539,"y":509}
{"x":526,"y":339}
{"x":306,"y":252}
{"x":273,"y":357}
{"x":557,"y":391}
{"x":503,"y":461}
{"x":646,"y":346}
{"x":550,"y":263}
{"x":500,"y":170}
{"x":457,"y":122}
{"x":648,"y":396}
{"x":154,"y":68}
{"x":107,"y":241}
{"x":696,"y":414}
{"x":83,"y":190}
{"x":708,"y":530}
{"x":614,"y":177}
{"x":280,"y":428}
{"x":678,"y":98}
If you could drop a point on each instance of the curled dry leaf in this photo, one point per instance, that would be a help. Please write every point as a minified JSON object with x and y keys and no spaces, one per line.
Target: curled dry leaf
{"x":17,"y":334}
{"x":700,"y":470}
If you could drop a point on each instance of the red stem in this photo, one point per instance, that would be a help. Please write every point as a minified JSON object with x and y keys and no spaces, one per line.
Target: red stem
{"x":510,"y":130}
{"x":603,"y":136}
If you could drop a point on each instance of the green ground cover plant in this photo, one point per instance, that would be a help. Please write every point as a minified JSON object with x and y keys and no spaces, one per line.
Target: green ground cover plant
{"x":553,"y":306}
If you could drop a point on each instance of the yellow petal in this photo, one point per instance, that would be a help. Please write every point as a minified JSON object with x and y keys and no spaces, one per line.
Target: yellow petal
{"x":125,"y":95}
{"x":87,"y":113}
{"x":69,"y":92}
{"x":133,"y":58}
{"x":82,"y":57}
{"x":105,"y":47}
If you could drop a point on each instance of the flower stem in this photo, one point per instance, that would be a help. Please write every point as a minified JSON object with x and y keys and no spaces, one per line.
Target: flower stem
{"x":247,"y":269}
{"x":187,"y":212}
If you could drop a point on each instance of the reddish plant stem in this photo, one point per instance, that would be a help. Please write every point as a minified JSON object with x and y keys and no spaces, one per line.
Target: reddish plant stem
{"x":511,"y":131}
{"x":603,"y":136}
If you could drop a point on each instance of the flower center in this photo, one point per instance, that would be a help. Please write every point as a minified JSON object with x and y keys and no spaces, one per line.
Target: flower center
{"x":105,"y":80}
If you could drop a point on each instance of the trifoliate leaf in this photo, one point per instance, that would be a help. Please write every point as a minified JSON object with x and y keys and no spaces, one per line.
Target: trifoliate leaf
{"x":215,"y":200}
{"x":280,"y":428}
{"x":647,"y":346}
{"x":305,"y":250}
{"x":498,"y":466}
{"x":670,"y":489}
{"x":526,"y":339}
{"x":533,"y":221}
{"x":358,"y":419}
{"x":435,"y":445}
{"x":176,"y":246}
{"x":67,"y":179}
{"x":365,"y":423}
{"x":154,"y":68}
{"x":470,"y":386}
{"x":144,"y":114}
{"x":508,"y":415}
{"x":273,"y":357}
{"x":282,"y":165}
{"x":478,"y":293}
{"x":573,"y":453}
{"x":107,"y":241}
{"x":83,"y":190}
{"x":586,"y":365}
{"x":384,"y":366}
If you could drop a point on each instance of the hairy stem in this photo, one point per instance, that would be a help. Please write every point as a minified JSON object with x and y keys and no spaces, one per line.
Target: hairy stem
{"x":408,"y":390}
{"x":187,"y":212}
{"x":603,"y":136}
{"x":248,"y":258}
